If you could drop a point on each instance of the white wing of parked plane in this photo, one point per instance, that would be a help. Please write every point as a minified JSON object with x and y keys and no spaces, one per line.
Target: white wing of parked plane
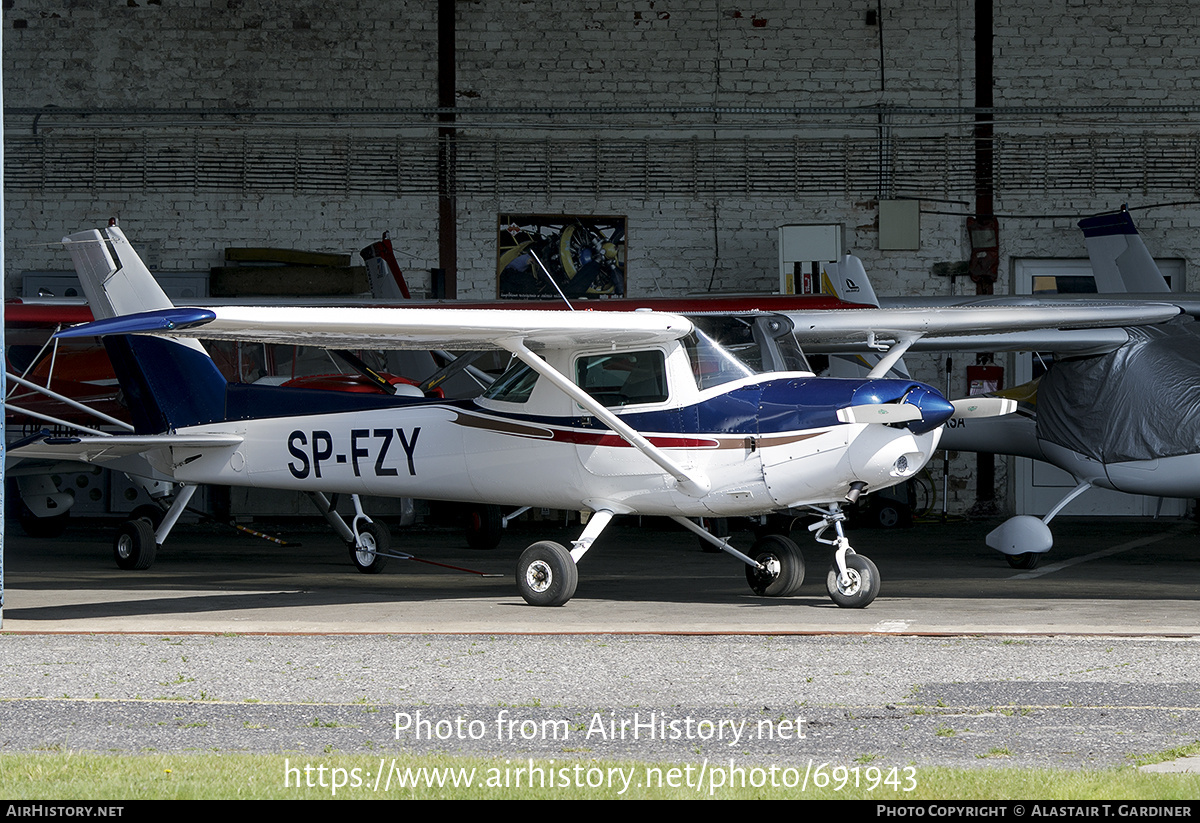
{"x":1086,"y":327}
{"x":398,"y":328}
{"x":878,"y":326}
{"x":1092,"y":328}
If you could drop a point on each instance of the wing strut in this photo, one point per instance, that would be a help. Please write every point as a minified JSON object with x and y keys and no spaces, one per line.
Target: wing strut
{"x":897,"y":351}
{"x":691,"y":483}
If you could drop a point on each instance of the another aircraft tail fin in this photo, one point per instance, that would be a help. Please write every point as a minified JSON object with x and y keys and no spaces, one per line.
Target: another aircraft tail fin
{"x":848,"y":280}
{"x":167,"y":383}
{"x":114,"y":279}
{"x":1120,"y":261}
{"x":387,"y":280}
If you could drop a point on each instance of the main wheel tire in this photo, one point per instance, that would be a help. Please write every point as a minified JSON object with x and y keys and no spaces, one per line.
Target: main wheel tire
{"x":547,"y":574}
{"x":372,"y":556}
{"x":785,"y":567}
{"x":889,"y":514}
{"x":1028,"y":560}
{"x":717,"y":527}
{"x":863,"y":587}
{"x":34,"y":526}
{"x":134,"y":547}
{"x":485,"y":527}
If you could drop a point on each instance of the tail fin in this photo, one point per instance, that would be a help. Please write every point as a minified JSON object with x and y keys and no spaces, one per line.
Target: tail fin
{"x":1120,"y":260}
{"x":387,"y":281}
{"x":848,"y":280}
{"x":168,"y":384}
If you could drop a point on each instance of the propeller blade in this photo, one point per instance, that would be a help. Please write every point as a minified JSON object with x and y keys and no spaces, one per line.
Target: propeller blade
{"x":879,"y":413}
{"x":983,"y":407}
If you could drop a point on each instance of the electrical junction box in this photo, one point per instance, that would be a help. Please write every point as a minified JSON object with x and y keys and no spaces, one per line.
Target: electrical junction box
{"x":899,"y":225}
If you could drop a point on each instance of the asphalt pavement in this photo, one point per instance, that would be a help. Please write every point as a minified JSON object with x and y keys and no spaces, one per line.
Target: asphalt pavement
{"x":234,"y":643}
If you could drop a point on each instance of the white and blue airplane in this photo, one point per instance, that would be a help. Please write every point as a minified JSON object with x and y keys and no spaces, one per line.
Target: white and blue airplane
{"x":607,"y":413}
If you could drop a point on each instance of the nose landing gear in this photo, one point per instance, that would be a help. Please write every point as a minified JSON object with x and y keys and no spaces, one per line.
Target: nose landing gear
{"x":853,"y":580}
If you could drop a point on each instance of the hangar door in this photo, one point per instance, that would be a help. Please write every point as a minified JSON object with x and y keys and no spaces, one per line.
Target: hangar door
{"x":1039,"y":486}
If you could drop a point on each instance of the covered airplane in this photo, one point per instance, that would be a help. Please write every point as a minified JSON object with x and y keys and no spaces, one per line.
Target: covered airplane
{"x":1118,"y":409}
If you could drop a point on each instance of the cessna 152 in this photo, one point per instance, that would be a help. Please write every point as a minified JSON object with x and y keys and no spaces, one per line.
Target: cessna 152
{"x":609,"y":413}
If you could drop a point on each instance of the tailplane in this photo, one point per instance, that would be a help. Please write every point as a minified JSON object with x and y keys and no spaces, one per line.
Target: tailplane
{"x":168,"y":384}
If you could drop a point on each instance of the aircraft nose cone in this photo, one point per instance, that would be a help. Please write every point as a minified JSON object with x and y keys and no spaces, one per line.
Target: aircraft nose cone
{"x":935,"y":409}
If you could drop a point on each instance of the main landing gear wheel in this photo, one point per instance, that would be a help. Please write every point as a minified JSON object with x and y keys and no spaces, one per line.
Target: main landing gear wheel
{"x":1028,"y":560}
{"x":134,"y":546}
{"x":485,"y":527}
{"x":547,"y":574}
{"x":35,"y":526}
{"x":717,"y":527}
{"x":370,"y":557}
{"x":784,"y":572}
{"x":862,"y":588}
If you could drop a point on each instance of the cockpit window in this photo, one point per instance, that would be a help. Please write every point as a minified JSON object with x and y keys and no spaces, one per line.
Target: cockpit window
{"x":764,"y":342}
{"x":623,"y":378}
{"x":514,"y":386}
{"x":712,"y":363}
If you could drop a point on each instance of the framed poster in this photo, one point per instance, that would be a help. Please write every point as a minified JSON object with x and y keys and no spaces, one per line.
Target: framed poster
{"x":583,"y":256}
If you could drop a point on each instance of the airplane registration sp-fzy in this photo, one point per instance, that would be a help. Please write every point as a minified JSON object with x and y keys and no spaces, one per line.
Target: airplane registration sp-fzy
{"x":629,"y":413}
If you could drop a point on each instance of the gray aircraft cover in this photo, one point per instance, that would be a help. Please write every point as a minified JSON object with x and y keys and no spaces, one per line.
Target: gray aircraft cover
{"x":1136,"y":403}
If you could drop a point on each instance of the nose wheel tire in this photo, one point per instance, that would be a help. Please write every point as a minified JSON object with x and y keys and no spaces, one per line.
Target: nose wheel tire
{"x":1028,"y":560}
{"x":862,"y":588}
{"x":370,"y":557}
{"x":547,"y":574}
{"x":784,"y":567}
{"x":134,"y":547}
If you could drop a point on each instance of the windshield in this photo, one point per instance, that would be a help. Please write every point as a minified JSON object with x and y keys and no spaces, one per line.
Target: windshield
{"x":764,"y":342}
{"x":712,"y":363}
{"x":514,"y":386}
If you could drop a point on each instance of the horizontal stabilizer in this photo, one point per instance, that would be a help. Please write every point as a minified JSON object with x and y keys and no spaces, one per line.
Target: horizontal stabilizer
{"x":983,"y":407}
{"x":103,"y":449}
{"x":879,"y":413}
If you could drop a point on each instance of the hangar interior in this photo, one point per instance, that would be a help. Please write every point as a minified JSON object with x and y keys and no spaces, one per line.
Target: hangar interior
{"x":703,"y":125}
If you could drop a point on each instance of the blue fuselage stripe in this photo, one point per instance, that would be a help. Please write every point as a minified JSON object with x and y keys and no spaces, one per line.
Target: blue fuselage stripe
{"x":767,"y":407}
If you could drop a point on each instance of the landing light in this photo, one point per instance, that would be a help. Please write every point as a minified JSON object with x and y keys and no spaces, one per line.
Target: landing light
{"x":906,"y":465}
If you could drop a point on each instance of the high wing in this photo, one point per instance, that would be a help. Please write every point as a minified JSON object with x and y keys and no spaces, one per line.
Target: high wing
{"x":398,"y":328}
{"x":1078,"y":326}
{"x":1092,"y":328}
